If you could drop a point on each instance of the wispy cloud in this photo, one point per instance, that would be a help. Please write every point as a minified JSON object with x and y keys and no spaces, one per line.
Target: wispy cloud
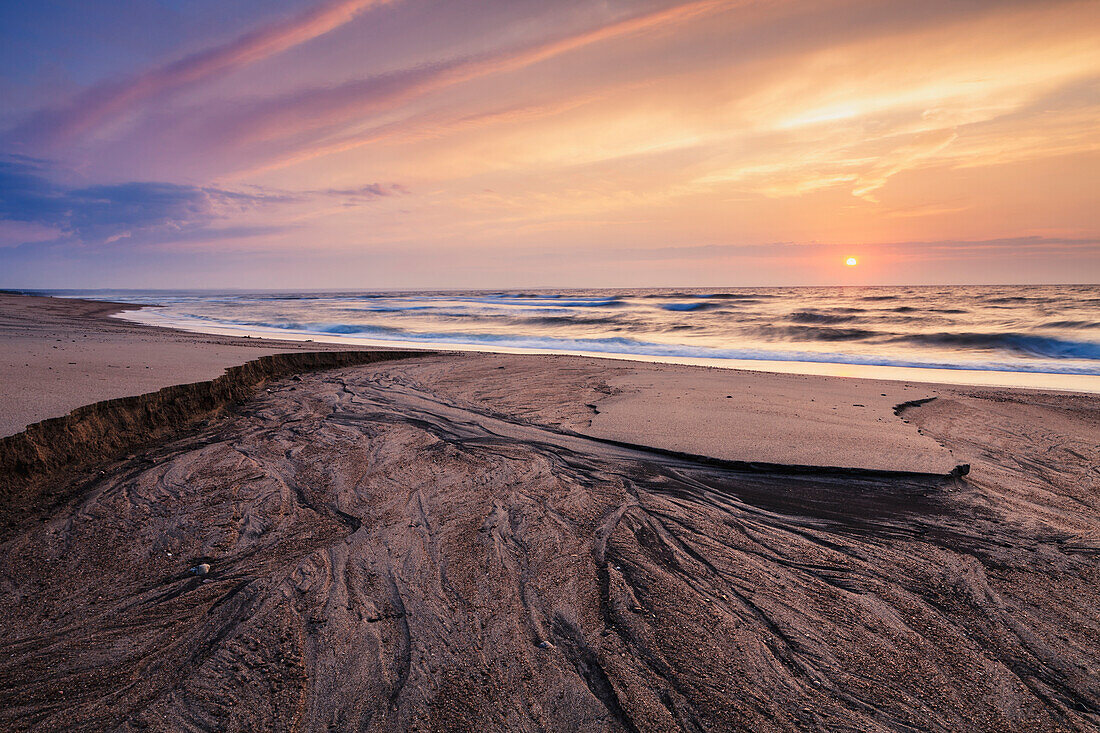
{"x":324,"y":110}
{"x":105,"y":213}
{"x":30,"y":196}
{"x":917,"y":249}
{"x":108,"y":100}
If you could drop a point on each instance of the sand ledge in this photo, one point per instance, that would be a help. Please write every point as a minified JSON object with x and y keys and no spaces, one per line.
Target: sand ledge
{"x":101,"y":431}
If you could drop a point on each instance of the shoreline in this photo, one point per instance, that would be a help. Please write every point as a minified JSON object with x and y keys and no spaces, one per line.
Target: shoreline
{"x":724,"y":414}
{"x":1062,"y":382}
{"x":796,"y":433}
{"x":61,"y":354}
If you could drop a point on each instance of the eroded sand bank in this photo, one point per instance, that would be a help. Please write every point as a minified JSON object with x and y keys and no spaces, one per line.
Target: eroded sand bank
{"x":59,"y":354}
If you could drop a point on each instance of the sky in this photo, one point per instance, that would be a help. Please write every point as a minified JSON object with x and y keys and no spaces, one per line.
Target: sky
{"x":524,"y":143}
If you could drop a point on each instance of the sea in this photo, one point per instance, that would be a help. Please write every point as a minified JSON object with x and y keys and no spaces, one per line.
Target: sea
{"x":949,"y":333}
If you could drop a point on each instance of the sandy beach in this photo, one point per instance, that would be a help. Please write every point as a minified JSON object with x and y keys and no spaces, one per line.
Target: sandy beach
{"x":452,"y":541}
{"x":60,"y":354}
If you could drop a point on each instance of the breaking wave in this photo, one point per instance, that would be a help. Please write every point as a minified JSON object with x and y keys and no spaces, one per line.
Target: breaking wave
{"x":1029,"y":329}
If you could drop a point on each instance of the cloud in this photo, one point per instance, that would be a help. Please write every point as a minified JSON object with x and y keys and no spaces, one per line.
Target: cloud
{"x":365,"y":192}
{"x":109,"y":100}
{"x":323,"y":120}
{"x":108,"y":212}
{"x":914,"y":250}
{"x":303,"y":119}
{"x":904,"y":157}
{"x":369,"y":191}
{"x":32,"y":201}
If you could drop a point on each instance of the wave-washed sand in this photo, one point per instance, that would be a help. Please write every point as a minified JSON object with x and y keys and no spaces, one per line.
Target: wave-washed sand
{"x":492,"y":542}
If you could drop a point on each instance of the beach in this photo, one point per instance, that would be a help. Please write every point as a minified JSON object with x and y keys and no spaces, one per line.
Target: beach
{"x":444,"y":541}
{"x":60,"y":354}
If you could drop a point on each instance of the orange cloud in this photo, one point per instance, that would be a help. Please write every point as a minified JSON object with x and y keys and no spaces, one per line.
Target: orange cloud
{"x":326,"y":106}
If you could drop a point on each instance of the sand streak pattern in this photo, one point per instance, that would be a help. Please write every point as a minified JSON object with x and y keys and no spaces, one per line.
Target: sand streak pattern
{"x":385,"y":558}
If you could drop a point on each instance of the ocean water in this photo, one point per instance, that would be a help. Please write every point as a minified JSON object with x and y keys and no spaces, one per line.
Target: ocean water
{"x":1029,"y":329}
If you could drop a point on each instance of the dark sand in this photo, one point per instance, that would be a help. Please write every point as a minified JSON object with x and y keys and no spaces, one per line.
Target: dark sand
{"x":434,"y":544}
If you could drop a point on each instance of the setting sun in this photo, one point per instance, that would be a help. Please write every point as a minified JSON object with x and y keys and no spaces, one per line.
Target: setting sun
{"x":851,"y":262}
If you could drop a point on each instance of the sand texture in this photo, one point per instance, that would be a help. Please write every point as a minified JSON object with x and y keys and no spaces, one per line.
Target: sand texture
{"x":389,"y":551}
{"x":60,"y":354}
{"x":788,"y":418}
{"x":721,"y":413}
{"x":36,"y":465}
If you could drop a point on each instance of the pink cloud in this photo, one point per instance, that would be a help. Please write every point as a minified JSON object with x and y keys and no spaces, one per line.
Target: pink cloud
{"x":109,"y":100}
{"x":299,"y":118}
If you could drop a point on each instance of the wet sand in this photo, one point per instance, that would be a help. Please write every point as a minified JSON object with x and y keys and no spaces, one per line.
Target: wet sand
{"x":469,"y":542}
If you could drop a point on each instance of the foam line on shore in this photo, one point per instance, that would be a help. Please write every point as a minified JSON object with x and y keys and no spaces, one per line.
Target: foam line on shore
{"x":977,"y":375}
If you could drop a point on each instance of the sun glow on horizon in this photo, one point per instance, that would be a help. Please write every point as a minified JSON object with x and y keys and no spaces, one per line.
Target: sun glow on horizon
{"x":851,"y":262}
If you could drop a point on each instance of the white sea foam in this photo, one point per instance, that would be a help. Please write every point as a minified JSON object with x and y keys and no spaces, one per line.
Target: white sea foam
{"x":1027,"y":330}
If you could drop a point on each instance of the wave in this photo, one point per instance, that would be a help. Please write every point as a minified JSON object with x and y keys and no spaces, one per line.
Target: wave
{"x":1042,"y":329}
{"x":636,"y":347}
{"x":737,"y":296}
{"x":689,"y":307}
{"x":824,"y":333}
{"x":570,"y":321}
{"x":391,"y":308}
{"x":680,"y":294}
{"x":1029,"y":345}
{"x":815,"y":317}
{"x":1072,"y":324}
{"x":1016,"y":299}
{"x":1026,"y":344}
{"x":527,"y":302}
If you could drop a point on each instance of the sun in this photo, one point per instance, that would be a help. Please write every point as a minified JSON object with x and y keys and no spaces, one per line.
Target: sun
{"x":851,"y":262}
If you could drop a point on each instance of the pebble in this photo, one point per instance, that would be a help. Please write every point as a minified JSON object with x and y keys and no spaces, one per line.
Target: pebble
{"x":201,"y":569}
